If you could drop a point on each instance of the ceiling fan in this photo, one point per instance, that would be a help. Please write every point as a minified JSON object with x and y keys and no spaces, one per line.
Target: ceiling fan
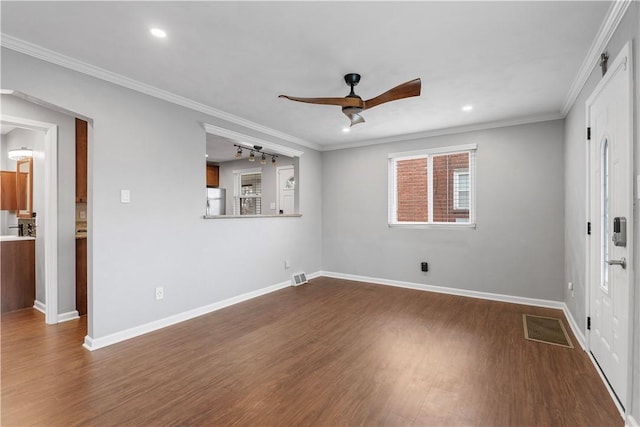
{"x":352,"y":105}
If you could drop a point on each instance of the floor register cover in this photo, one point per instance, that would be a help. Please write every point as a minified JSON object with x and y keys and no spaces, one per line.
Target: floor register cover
{"x":546,"y":329}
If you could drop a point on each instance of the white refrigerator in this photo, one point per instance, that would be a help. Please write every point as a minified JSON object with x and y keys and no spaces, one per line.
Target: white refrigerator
{"x":216,"y":201}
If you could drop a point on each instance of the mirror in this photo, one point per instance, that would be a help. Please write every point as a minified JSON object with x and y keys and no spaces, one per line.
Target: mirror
{"x":24,"y":187}
{"x":262,"y":185}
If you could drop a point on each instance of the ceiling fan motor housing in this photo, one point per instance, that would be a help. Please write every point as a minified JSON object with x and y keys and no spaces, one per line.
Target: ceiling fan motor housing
{"x":352,"y":79}
{"x":351,"y":110}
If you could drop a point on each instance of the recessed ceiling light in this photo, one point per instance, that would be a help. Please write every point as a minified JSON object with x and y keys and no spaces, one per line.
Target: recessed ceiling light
{"x":467,"y":108}
{"x":345,"y":130}
{"x":158,"y":32}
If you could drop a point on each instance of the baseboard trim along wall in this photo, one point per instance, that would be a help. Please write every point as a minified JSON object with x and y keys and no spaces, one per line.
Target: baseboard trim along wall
{"x":62,"y":317}
{"x":577,"y":332}
{"x":40,"y":307}
{"x":96,"y":343}
{"x":70,"y":315}
{"x":451,"y":291}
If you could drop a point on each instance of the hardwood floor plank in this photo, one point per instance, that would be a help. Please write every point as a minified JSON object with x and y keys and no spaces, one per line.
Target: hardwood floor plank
{"x":332,"y":352}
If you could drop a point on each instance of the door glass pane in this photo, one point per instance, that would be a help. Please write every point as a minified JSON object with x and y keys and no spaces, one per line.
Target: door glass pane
{"x":604,"y":223}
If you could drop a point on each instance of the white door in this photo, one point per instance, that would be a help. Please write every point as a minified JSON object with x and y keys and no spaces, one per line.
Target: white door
{"x":286,"y":190}
{"x":610,"y":203}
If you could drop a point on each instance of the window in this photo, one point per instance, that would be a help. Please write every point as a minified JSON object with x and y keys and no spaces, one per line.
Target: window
{"x":461,"y":189}
{"x":248,"y":192}
{"x":433,"y":187}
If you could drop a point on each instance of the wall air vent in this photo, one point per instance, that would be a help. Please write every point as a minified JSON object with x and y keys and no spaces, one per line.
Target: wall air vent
{"x":298,"y":279}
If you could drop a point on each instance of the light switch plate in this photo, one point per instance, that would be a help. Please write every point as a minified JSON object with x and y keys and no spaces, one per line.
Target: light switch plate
{"x":125,"y":196}
{"x":83,"y":215}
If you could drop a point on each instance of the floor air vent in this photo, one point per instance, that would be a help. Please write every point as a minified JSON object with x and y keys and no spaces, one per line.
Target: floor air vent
{"x":298,"y":279}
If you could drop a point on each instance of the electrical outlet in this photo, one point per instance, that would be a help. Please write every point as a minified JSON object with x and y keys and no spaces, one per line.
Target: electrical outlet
{"x":159,"y":293}
{"x":83,"y":215}
{"x":287,"y":264}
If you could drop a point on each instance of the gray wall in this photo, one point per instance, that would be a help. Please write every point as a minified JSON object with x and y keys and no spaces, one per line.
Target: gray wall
{"x":155,"y":149}
{"x":575,"y":189}
{"x":517,"y":247}
{"x":14,"y":106}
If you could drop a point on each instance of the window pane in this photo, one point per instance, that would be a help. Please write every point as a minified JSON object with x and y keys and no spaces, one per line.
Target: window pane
{"x":411,"y":181}
{"x":451,"y":188}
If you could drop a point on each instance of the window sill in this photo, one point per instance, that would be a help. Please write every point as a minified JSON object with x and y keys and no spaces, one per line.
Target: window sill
{"x":446,"y":226}
{"x":251,"y":216}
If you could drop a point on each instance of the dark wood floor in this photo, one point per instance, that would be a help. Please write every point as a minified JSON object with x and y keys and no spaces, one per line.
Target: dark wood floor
{"x":332,"y":352}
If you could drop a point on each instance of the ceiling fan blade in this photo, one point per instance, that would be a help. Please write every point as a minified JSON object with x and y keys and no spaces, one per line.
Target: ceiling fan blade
{"x":344,"y":102}
{"x":405,"y":90}
{"x":354,"y":118}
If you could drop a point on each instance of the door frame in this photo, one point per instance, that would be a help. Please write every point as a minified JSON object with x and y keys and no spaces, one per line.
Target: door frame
{"x":50,"y":217}
{"x":622,"y":63}
{"x":278,"y":169}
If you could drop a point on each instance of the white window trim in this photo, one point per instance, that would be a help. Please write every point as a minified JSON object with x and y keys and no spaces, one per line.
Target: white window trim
{"x":456,"y":188}
{"x":237,"y":179}
{"x":430,"y":152}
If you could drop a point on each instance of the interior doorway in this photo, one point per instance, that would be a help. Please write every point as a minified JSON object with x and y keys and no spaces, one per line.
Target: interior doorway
{"x":610,"y":213}
{"x":50,"y":217}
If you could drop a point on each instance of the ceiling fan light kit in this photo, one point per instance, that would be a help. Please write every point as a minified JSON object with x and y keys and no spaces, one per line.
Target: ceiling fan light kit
{"x":352,"y":105}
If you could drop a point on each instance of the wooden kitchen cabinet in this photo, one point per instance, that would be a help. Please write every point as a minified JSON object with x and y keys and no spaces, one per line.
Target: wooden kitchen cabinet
{"x":81,"y":160}
{"x":18,"y":274}
{"x":8,"y":195}
{"x":81,"y":275}
{"x":213,"y":175}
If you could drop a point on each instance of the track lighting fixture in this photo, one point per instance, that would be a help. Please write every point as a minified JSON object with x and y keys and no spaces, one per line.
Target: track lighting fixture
{"x":252,"y":154}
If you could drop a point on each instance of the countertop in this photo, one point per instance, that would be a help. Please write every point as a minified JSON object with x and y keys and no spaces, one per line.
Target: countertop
{"x":15,"y":238}
{"x":252,"y":216}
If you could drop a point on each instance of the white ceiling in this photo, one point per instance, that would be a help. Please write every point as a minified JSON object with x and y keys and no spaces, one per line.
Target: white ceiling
{"x":510,"y":60}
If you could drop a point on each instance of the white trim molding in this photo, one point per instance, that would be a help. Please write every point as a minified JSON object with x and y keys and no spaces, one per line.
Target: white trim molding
{"x":57,"y":58}
{"x":70,"y":315}
{"x":62,"y":317}
{"x":40,"y":306}
{"x":631,"y":422}
{"x":97,"y":343}
{"x":577,"y":332}
{"x":250,"y":141}
{"x":449,"y":291}
{"x":609,"y":25}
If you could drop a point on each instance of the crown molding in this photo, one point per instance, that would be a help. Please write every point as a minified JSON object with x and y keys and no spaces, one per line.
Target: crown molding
{"x":250,"y":141}
{"x":609,"y":25}
{"x":53,"y":57}
{"x":448,"y":131}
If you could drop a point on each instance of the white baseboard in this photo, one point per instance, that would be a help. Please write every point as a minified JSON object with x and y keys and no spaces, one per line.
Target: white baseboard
{"x":62,"y":317}
{"x":451,"y":291}
{"x":70,"y":315}
{"x":577,"y":332}
{"x":631,"y":422}
{"x":40,"y":306}
{"x":96,"y":343}
{"x":606,"y":384}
